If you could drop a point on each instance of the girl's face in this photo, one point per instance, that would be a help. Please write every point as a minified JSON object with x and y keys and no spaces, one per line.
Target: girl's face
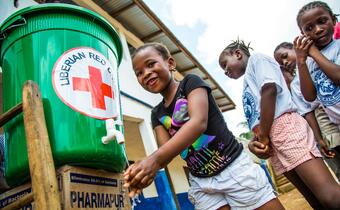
{"x":318,"y":24}
{"x":152,"y":71}
{"x":233,"y":64}
{"x":287,"y":58}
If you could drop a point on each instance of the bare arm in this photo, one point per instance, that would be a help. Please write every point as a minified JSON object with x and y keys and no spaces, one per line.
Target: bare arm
{"x":329,"y":68}
{"x":162,"y":135}
{"x":311,"y":119}
{"x":267,"y":106}
{"x":301,"y":48}
{"x":141,"y":174}
{"x":198,"y":106}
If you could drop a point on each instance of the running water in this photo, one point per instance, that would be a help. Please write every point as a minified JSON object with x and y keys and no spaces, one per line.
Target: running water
{"x":135,"y":199}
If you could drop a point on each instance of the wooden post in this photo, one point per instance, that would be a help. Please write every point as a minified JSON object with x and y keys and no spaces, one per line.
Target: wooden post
{"x":42,"y":170}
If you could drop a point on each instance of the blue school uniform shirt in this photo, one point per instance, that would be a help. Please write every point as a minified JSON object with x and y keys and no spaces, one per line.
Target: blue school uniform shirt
{"x":303,"y":107}
{"x":328,"y":93}
{"x":262,"y":69}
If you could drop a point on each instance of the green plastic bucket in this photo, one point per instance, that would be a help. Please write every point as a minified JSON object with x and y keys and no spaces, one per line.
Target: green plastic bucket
{"x":73,"y":54}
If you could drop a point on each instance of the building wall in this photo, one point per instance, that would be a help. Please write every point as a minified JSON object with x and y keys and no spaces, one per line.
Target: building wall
{"x":177,"y":174}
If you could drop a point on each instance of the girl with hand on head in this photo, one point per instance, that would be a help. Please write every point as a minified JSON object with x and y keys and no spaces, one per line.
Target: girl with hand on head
{"x":318,"y":57}
{"x":272,"y":116}
{"x":187,"y":122}
{"x":285,"y":55}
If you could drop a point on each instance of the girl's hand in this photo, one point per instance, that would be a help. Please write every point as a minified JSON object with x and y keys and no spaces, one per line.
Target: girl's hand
{"x":260,"y":150}
{"x":141,"y":174}
{"x":264,"y":140}
{"x":325,"y":149}
{"x":134,"y":192}
{"x":301,"y":47}
{"x":313,"y":51}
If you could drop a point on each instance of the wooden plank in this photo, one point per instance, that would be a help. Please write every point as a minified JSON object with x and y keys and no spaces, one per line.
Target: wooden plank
{"x":42,"y":170}
{"x":10,"y":114}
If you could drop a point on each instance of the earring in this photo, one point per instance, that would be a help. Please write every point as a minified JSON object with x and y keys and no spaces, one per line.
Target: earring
{"x":173,"y":69}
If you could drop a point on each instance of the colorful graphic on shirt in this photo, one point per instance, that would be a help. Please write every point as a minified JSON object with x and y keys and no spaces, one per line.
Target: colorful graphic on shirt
{"x":166,"y":121}
{"x":328,"y":92}
{"x":201,"y":142}
{"x":249,"y":108}
{"x":198,"y":156}
{"x":180,"y":114}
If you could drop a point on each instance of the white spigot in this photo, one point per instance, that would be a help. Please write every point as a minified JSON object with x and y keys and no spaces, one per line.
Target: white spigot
{"x":112,"y":133}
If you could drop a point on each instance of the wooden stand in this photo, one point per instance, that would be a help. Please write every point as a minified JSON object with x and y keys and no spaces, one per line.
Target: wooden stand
{"x":42,"y":170}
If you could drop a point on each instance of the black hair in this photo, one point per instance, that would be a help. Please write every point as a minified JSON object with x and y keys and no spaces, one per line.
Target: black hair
{"x":286,"y":45}
{"x":160,"y":48}
{"x":315,"y":4}
{"x":237,"y":44}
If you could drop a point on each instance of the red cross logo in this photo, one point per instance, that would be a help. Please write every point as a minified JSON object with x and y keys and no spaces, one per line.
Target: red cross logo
{"x":95,"y":86}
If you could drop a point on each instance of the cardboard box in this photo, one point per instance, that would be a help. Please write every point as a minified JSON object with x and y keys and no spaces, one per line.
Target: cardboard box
{"x":14,"y":194}
{"x":80,"y":189}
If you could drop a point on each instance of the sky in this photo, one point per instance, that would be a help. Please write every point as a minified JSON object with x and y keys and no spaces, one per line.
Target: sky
{"x":207,"y":27}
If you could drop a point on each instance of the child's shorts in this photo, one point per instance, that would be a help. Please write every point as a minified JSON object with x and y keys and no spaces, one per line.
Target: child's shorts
{"x":292,"y":141}
{"x":329,"y":130}
{"x":242,"y":185}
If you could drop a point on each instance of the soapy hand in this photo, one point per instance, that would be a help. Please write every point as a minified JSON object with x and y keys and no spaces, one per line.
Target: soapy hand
{"x":140,"y":175}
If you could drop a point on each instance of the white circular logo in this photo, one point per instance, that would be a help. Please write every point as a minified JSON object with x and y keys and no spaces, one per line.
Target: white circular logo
{"x":84,"y":80}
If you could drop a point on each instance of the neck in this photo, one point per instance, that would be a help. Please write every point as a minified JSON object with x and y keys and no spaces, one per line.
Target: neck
{"x":321,"y":47}
{"x":170,"y":92}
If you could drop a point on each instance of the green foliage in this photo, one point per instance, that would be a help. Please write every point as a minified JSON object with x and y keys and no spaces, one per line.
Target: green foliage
{"x":246,"y":135}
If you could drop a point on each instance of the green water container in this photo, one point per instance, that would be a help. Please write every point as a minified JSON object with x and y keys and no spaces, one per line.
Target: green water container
{"x":73,"y":54}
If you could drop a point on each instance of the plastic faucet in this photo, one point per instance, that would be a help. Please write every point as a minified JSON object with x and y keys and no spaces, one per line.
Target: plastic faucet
{"x":112,"y":133}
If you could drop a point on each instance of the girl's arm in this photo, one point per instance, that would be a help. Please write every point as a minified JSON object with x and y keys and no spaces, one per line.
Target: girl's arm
{"x":329,"y":68}
{"x":162,"y":135}
{"x":310,"y":118}
{"x":198,"y":106}
{"x":267,"y":106}
{"x":301,"y":47}
{"x":142,"y":173}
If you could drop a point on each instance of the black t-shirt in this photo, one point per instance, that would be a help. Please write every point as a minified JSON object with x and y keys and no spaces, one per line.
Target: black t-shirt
{"x":216,"y":148}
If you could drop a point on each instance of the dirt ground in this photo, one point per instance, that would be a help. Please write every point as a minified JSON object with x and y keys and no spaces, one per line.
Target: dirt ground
{"x":293,"y":200}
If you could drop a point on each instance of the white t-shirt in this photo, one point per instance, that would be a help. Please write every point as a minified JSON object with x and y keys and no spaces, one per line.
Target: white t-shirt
{"x":328,"y":93}
{"x":303,"y":106}
{"x":262,"y":69}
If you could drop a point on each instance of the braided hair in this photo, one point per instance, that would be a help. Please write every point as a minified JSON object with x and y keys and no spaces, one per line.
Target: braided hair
{"x":238,"y":44}
{"x":315,"y":4}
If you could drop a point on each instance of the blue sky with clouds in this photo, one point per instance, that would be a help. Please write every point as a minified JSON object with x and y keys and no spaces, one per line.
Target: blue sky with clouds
{"x":206,"y":27}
